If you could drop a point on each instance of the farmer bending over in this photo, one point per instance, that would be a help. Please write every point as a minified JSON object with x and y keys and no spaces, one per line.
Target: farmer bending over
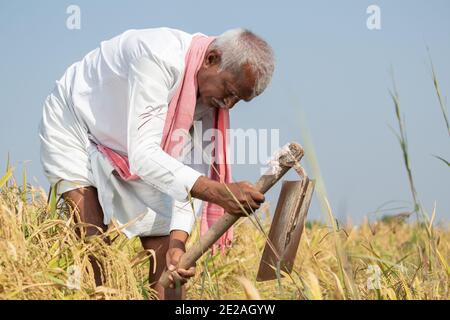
{"x":111,"y":128}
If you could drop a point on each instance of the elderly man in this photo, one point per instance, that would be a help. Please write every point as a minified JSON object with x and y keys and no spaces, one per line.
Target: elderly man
{"x":110,"y":130}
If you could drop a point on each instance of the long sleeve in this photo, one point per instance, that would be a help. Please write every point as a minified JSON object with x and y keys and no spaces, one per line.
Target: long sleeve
{"x":150,"y":82}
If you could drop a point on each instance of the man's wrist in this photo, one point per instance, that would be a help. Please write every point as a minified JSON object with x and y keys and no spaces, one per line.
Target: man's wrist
{"x":178,"y":239}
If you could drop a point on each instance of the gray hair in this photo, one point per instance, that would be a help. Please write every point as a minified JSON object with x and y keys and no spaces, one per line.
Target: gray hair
{"x":240,"y":47}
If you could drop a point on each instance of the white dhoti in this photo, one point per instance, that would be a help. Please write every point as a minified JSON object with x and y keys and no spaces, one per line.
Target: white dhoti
{"x":71,"y":160}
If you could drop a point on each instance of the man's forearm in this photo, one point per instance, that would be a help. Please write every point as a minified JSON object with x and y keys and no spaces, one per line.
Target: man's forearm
{"x":206,"y":189}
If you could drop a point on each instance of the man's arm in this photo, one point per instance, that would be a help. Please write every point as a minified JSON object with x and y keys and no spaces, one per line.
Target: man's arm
{"x":150,"y":82}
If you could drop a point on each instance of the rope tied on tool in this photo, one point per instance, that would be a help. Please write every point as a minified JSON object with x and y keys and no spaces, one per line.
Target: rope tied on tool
{"x":287,"y":156}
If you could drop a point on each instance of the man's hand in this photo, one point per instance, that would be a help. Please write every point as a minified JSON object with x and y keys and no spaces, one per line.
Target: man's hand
{"x":176,"y":250}
{"x":235,"y":196}
{"x":232,"y":196}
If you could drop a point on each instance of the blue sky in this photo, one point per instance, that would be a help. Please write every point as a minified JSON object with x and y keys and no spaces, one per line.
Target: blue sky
{"x":331,"y":71}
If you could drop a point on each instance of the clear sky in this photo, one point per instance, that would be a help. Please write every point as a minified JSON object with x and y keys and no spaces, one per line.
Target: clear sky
{"x":331,"y":70}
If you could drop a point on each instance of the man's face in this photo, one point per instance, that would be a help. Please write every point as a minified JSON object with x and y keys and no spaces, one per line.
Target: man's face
{"x":223,"y":89}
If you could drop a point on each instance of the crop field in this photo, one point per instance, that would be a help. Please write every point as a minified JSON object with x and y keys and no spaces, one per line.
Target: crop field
{"x":42,"y":258}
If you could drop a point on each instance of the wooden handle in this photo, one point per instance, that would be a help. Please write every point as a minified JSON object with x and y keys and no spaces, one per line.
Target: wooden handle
{"x":285,"y":159}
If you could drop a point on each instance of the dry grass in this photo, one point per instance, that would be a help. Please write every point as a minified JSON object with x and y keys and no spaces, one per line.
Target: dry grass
{"x":40,"y":257}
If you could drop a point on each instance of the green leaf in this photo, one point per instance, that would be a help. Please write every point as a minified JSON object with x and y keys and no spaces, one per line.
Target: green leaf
{"x":6,"y":177}
{"x":24,"y":183}
{"x":442,"y":159}
{"x":53,"y":200}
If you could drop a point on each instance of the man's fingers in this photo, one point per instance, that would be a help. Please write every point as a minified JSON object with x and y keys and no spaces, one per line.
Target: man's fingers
{"x":186,"y":273}
{"x":252,"y":205}
{"x":258,"y":196}
{"x":180,"y":276}
{"x":176,"y":277}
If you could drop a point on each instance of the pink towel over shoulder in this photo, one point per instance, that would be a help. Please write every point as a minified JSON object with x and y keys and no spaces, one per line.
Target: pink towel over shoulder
{"x":180,"y":116}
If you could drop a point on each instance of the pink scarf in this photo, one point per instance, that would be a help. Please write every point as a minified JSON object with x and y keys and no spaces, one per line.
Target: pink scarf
{"x":180,"y":116}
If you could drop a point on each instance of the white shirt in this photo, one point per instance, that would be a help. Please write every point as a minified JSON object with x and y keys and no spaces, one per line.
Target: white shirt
{"x":121,"y":92}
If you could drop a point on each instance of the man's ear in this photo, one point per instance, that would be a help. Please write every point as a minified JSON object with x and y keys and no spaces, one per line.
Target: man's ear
{"x":212,"y":58}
